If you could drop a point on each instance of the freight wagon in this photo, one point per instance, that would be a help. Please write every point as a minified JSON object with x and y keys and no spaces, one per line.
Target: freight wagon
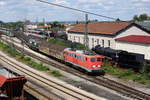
{"x":81,"y":59}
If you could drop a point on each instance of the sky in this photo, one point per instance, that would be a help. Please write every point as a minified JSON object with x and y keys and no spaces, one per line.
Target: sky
{"x":20,"y":10}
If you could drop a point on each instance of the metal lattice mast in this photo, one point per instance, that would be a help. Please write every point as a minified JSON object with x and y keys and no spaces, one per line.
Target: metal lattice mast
{"x":86,"y":39}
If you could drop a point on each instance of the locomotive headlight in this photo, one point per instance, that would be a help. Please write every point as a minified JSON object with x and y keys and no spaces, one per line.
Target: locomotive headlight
{"x":98,"y":65}
{"x":94,"y":66}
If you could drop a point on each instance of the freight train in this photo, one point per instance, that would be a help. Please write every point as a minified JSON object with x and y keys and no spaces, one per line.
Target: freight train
{"x":122,"y":58}
{"x":89,"y":62}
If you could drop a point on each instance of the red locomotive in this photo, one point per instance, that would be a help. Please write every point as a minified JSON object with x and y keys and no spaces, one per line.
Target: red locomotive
{"x":88,"y":61}
{"x":80,"y":59}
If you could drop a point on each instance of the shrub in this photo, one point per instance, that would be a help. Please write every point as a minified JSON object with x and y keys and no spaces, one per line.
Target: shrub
{"x":66,"y":44}
{"x":56,"y":73}
{"x":39,"y":66}
{"x":126,"y":73}
{"x":27,"y":58}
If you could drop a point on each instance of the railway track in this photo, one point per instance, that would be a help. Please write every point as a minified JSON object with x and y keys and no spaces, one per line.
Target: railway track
{"x":36,"y":87}
{"x":73,"y":93}
{"x":120,"y":88}
{"x":39,"y":93}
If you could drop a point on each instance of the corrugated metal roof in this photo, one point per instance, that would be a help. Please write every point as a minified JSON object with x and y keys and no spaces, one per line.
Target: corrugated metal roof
{"x":6,"y":73}
{"x":110,"y":28}
{"x":2,"y":80}
{"x":135,"y":39}
{"x":145,"y":24}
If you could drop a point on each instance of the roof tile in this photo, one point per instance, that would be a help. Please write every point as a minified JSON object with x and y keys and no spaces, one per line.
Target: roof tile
{"x":2,"y":80}
{"x":101,"y":27}
{"x":135,"y":39}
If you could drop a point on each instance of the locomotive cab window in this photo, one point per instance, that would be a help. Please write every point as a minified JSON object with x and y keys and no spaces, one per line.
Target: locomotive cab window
{"x":93,"y":59}
{"x":99,"y":59}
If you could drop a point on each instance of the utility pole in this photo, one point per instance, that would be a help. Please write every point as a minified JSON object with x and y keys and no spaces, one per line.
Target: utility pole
{"x":37,"y":21}
{"x":86,"y":39}
{"x":44,"y":21}
{"x":22,"y":41}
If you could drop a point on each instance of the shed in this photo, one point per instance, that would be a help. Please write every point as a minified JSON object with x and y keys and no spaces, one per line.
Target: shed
{"x":105,"y":33}
{"x":135,"y":43}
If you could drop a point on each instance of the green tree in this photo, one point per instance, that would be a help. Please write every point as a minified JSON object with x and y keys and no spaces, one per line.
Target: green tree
{"x":1,"y":22}
{"x":118,"y":20}
{"x":135,"y":18}
{"x":41,"y":24}
{"x":141,"y":17}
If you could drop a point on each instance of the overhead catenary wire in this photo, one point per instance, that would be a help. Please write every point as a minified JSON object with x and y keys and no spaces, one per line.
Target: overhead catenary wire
{"x":75,"y":9}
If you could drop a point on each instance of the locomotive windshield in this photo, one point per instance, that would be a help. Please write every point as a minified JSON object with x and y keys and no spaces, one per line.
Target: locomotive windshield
{"x":99,"y":59}
{"x":95,"y":59}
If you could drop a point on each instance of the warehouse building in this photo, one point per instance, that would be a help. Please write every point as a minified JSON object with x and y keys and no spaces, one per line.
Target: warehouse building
{"x":135,"y":43}
{"x":105,"y":33}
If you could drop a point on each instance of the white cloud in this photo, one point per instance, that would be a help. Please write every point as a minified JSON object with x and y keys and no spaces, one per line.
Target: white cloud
{"x":63,"y":2}
{"x":141,"y":0}
{"x":2,"y":3}
{"x":138,"y":4}
{"x":100,"y":4}
{"x":89,"y":1}
{"x":31,"y":9}
{"x":108,"y":7}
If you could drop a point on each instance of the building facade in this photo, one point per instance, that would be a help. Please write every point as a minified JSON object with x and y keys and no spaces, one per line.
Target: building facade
{"x":135,"y":43}
{"x":105,"y":33}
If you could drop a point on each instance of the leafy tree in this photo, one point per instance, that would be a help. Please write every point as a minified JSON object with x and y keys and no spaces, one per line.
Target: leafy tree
{"x":117,"y":20}
{"x":141,"y":17}
{"x":14,"y":25}
{"x":77,"y":22}
{"x":1,"y":22}
{"x":41,"y":24}
{"x":56,"y":26}
{"x":136,"y":18}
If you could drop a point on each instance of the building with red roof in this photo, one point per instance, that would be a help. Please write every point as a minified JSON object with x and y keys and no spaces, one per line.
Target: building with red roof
{"x":105,"y":33}
{"x":135,"y":39}
{"x":135,"y":43}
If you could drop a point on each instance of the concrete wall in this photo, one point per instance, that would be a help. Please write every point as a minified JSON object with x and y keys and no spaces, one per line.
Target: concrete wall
{"x":134,"y":47}
{"x":76,"y":38}
{"x":93,"y":40}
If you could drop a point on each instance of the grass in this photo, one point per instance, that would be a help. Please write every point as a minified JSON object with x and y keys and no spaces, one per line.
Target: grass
{"x":59,"y":42}
{"x":27,"y":60}
{"x":66,"y":44}
{"x":127,"y":74}
{"x":56,"y":73}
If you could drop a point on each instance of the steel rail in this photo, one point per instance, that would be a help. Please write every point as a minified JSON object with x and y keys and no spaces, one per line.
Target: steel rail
{"x":57,"y":84}
{"x":128,"y":91}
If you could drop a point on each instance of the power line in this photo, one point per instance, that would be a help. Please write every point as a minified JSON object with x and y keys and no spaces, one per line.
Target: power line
{"x":76,"y":9}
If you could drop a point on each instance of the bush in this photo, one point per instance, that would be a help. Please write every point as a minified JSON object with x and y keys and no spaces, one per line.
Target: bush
{"x":67,"y":44}
{"x":126,"y":73}
{"x":18,"y":55}
{"x":56,"y":73}
{"x":27,"y":58}
{"x":136,"y":77}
